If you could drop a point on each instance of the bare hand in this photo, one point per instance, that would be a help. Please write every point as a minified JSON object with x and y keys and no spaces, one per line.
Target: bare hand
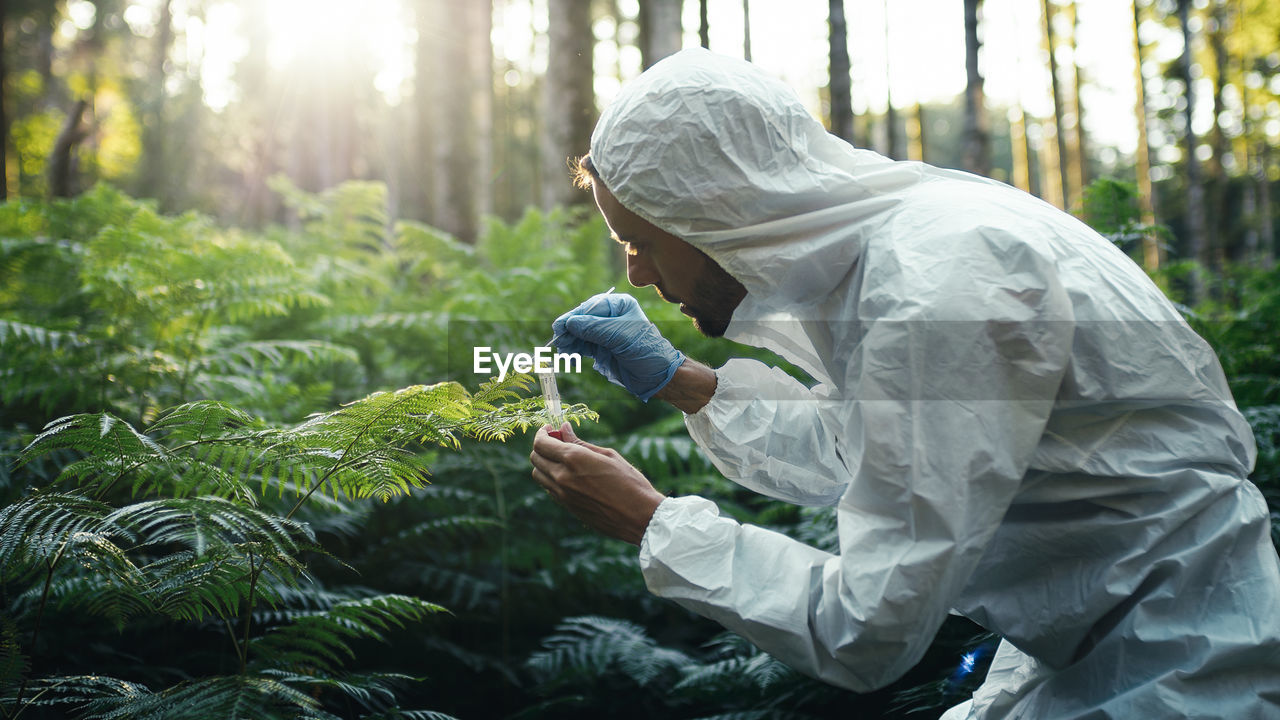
{"x":595,"y":484}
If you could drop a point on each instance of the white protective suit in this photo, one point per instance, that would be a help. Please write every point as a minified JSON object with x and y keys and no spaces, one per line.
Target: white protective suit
{"x":1012,"y":421}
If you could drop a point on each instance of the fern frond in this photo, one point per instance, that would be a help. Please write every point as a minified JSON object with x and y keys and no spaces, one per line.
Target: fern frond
{"x":664,"y":456}
{"x":590,"y":646}
{"x":353,"y":324}
{"x":40,"y":528}
{"x":187,"y":586}
{"x":494,"y":390}
{"x":98,"y":434}
{"x":203,"y":522}
{"x":469,"y":658}
{"x":201,"y":420}
{"x":366,"y":448}
{"x":757,"y":672}
{"x":72,"y":690}
{"x":13,"y":664}
{"x":248,"y":356}
{"x":89,"y":590}
{"x":319,"y":640}
{"x":457,"y":590}
{"x":759,"y":715}
{"x":452,"y":528}
{"x":15,"y":333}
{"x":518,"y":416}
{"x":113,"y":450}
{"x":398,"y":714}
{"x":418,"y":411}
{"x":359,"y":448}
{"x":372,"y":691}
{"x":237,"y":697}
{"x":294,"y":601}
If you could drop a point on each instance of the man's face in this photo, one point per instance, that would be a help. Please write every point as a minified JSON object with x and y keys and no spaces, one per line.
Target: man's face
{"x":680,"y":272}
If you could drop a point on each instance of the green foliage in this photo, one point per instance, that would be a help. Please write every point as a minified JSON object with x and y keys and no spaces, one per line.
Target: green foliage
{"x":202,"y":558}
{"x":1111,"y":207}
{"x":594,"y":646}
{"x":319,"y":641}
{"x":198,"y":541}
{"x":363,"y":449}
{"x":1243,"y":327}
{"x":106,"y":304}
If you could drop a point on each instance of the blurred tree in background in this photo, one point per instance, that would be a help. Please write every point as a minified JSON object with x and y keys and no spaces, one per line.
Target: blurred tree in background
{"x":470,"y":109}
{"x":342,"y":199}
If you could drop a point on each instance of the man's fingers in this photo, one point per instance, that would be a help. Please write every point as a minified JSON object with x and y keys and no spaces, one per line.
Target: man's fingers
{"x":547,"y":484}
{"x":540,"y":463}
{"x":593,"y":329}
{"x":566,"y":432}
{"x":571,"y":438}
{"x":549,"y":447}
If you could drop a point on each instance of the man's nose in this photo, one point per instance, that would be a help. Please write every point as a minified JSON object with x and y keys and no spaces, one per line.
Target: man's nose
{"x":640,"y":271}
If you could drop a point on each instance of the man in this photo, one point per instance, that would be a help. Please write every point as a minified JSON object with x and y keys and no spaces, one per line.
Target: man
{"x":1010,"y":419}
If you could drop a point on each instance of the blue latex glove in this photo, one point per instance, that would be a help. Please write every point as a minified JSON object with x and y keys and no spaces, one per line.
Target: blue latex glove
{"x":627,"y":349}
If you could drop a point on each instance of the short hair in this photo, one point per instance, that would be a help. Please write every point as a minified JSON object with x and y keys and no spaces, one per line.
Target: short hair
{"x":585,"y":175}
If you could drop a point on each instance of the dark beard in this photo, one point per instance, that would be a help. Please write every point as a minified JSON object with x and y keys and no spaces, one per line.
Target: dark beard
{"x":715,"y":296}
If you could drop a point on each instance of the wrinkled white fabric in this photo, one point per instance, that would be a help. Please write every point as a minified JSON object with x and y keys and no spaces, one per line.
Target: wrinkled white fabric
{"x":1011,"y":420}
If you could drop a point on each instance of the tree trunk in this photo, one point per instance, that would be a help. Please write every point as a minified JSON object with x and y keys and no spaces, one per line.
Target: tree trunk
{"x":977,"y":134}
{"x":1050,"y":171}
{"x":4,"y":119}
{"x":661,"y":32}
{"x":1077,"y":165}
{"x":569,"y":111}
{"x":46,"y":26}
{"x":746,"y":30}
{"x":1266,"y":224}
{"x":1195,"y":217}
{"x":94,"y":45}
{"x":1061,"y":150}
{"x":1216,"y":210}
{"x":257,"y":205}
{"x":464,"y":99}
{"x":915,"y":133}
{"x":840,"y":83}
{"x":1152,"y":252}
{"x":893,"y":146}
{"x":61,"y":162}
{"x":1018,"y":155}
{"x":428,"y":112}
{"x":704,"y":25}
{"x":153,"y":130}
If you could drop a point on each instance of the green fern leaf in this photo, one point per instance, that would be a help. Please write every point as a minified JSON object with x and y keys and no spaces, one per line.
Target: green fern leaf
{"x":590,"y":646}
{"x":239,"y":697}
{"x":320,"y":639}
{"x":13,"y":664}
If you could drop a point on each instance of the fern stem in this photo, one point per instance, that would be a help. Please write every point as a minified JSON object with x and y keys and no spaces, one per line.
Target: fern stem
{"x":312,"y":489}
{"x":35,"y":631}
{"x":34,"y":698}
{"x":176,"y":449}
{"x":345,"y":452}
{"x":504,"y":591}
{"x":231,"y":632}
{"x":248,"y":615}
{"x":185,"y":378}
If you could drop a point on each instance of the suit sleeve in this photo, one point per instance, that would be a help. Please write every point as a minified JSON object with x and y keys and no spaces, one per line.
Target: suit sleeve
{"x":769,"y":433}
